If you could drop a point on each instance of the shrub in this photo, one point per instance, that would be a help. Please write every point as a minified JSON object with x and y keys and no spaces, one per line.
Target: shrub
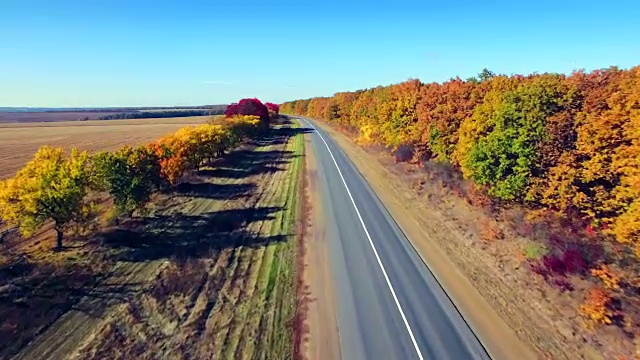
{"x":597,"y":306}
{"x":533,"y":251}
{"x":609,"y":279}
{"x":403,"y":153}
{"x":489,"y":231}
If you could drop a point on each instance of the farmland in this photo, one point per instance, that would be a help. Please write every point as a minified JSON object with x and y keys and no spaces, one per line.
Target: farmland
{"x":40,"y":115}
{"x":36,"y":117}
{"x":18,"y":142}
{"x":207,"y":273}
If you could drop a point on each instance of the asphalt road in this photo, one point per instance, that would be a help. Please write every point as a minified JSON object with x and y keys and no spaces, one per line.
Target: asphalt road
{"x":389,"y":305}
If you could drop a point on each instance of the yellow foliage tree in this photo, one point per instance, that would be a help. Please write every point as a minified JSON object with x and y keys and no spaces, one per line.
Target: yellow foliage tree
{"x":51,"y":187}
{"x":397,"y":115}
{"x":243,"y":125}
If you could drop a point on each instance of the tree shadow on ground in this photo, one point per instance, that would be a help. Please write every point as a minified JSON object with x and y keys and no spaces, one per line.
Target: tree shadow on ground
{"x":189,"y":236}
{"x":214,"y":191}
{"x":34,"y":295}
{"x":249,"y":162}
{"x":182,"y":236}
{"x":245,"y":163}
{"x":276,"y":136}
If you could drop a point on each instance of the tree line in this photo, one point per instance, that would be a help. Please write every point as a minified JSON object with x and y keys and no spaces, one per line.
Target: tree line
{"x":570,"y":144}
{"x":60,"y":187}
{"x":558,"y":144}
{"x":161,"y":114}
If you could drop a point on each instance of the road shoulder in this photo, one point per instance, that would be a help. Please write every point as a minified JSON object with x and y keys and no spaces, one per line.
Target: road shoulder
{"x":323,"y":341}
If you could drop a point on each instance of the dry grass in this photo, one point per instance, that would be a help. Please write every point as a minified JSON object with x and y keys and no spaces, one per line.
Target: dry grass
{"x":18,"y":142}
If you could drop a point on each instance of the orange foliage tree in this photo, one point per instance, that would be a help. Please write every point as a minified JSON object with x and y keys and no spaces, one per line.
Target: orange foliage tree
{"x":440,"y":111}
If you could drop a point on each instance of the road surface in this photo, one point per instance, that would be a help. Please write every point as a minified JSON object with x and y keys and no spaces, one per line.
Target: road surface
{"x":389,"y":305}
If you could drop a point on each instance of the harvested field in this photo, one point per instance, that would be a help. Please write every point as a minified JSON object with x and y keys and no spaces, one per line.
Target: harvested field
{"x":18,"y":142}
{"x":35,"y":117}
{"x":207,"y":274}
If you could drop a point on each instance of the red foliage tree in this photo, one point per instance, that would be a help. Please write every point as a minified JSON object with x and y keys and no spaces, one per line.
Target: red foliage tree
{"x":249,"y":107}
{"x":252,"y":107}
{"x":273,"y":107}
{"x":232,"y":110}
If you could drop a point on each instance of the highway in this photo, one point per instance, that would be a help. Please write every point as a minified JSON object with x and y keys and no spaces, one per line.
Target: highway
{"x":389,"y":305}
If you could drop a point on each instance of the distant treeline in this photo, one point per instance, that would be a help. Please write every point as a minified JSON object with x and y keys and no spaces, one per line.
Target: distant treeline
{"x":118,"y":109}
{"x":161,"y":114}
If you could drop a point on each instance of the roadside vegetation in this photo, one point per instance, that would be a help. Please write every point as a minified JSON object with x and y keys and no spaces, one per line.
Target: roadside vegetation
{"x":556,"y":157}
{"x":184,"y":247}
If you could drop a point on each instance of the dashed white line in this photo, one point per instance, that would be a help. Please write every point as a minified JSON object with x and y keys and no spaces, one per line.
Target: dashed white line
{"x":384,"y":272}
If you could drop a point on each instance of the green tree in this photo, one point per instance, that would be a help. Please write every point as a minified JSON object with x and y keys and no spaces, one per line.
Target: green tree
{"x":506,"y":158}
{"x":129,"y":175}
{"x":486,"y":74}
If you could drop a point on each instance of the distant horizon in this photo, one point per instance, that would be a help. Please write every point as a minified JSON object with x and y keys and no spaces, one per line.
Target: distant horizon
{"x":103,"y":107}
{"x":89,"y":107}
{"x":78,"y":54}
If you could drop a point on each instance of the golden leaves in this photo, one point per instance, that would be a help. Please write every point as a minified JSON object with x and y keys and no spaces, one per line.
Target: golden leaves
{"x":52,"y":186}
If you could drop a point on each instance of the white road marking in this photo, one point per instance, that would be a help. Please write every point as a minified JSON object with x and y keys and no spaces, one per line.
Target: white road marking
{"x":384,"y":272}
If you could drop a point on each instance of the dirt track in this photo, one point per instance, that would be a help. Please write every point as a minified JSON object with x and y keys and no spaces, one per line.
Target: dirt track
{"x":208,"y":275}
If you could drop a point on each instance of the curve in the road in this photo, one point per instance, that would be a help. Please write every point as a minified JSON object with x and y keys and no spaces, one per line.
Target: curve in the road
{"x":390,"y":306}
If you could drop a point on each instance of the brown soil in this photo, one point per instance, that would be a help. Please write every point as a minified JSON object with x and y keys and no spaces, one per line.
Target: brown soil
{"x":207,"y":274}
{"x":514,"y":312}
{"x":323,"y":342}
{"x":18,"y":142}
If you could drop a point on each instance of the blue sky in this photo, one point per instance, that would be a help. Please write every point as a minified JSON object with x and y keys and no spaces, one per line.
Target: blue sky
{"x":158,"y":53}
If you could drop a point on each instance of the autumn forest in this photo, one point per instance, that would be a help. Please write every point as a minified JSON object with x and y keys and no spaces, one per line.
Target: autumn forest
{"x":568,"y":145}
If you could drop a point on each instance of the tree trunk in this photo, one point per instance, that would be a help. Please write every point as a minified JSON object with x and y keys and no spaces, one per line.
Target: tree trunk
{"x":58,"y":238}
